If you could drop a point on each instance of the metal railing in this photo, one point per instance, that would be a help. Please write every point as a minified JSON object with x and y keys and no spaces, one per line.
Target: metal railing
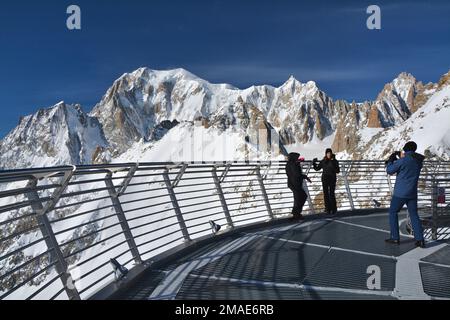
{"x":59,"y":227}
{"x":436,"y":207}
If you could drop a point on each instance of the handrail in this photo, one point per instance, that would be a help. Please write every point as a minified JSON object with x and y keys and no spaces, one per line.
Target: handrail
{"x":135,"y":211}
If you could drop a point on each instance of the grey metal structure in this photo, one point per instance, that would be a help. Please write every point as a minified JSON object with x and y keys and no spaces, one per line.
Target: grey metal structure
{"x":60,"y":226}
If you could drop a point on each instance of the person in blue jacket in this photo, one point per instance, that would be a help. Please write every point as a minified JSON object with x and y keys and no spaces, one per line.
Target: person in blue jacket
{"x":407,"y":166}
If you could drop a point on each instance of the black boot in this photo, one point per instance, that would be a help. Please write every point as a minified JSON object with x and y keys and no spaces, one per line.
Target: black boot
{"x":420,"y":243}
{"x":392,"y":241}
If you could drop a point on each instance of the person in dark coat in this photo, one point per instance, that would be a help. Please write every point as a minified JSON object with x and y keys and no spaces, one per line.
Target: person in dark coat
{"x":330,"y":167}
{"x":407,"y":166}
{"x":295,"y":183}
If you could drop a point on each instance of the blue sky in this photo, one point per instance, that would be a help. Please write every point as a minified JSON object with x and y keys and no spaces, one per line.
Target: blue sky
{"x":242,"y":42}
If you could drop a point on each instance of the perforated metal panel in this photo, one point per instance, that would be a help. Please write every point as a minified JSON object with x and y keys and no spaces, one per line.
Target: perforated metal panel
{"x":442,"y":256}
{"x":348,"y":270}
{"x":195,"y":288}
{"x":271,"y":264}
{"x":341,"y":295}
{"x":142,"y":288}
{"x":436,"y":280}
{"x":196,"y":254}
{"x":350,"y":237}
{"x":268,"y":260}
{"x":378,"y":222}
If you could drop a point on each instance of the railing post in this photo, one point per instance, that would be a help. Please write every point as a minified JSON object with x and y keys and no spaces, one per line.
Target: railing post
{"x":347,"y":185}
{"x":391,"y":190}
{"x":225,"y":172}
{"x":175,"y":205}
{"x":51,"y":241}
{"x":127,"y":180}
{"x":264,"y":193}
{"x":306,"y":188}
{"x":434,"y":208}
{"x":113,"y":194}
{"x":222,"y":197}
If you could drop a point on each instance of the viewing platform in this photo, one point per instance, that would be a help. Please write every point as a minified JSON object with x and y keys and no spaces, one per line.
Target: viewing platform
{"x":148,"y":231}
{"x":323,"y":257}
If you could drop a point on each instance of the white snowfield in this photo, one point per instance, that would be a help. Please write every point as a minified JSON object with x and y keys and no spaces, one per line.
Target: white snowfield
{"x":196,"y":143}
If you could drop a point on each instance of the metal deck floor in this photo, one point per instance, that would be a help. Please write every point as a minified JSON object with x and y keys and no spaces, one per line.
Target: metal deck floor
{"x":321,"y":258}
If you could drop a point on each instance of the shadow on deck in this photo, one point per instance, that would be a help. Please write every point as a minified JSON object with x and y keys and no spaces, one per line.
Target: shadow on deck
{"x":322,"y":257}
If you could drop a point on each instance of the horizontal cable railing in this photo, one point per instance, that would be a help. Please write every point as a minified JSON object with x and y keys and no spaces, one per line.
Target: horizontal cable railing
{"x":59,"y":227}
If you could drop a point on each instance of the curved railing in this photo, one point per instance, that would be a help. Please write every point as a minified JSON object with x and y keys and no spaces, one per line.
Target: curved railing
{"x":59,"y":227}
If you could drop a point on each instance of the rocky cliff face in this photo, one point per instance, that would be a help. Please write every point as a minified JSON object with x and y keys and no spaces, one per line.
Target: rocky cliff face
{"x":396,"y":103}
{"x":352,"y":118}
{"x":301,"y":112}
{"x":144,"y":99}
{"x":62,"y":134}
{"x":443,"y":81}
{"x":401,"y":98}
{"x":139,"y":101}
{"x":429,"y":127}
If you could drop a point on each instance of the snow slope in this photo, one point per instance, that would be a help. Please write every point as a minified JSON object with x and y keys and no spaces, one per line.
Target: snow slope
{"x":429,"y":127}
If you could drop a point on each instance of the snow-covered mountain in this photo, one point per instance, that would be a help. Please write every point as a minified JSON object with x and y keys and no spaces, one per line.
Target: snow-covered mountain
{"x":62,"y":134}
{"x":142,"y":106}
{"x":398,"y":100}
{"x":142,"y":100}
{"x":395,"y":105}
{"x":429,"y":127}
{"x":173,"y":115}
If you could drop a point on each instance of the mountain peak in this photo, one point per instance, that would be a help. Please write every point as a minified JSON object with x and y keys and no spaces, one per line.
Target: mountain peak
{"x":292,"y":82}
{"x":293,"y":86}
{"x":177,"y":73}
{"x":404,"y":80}
{"x":312,"y":84}
{"x":444,"y":80}
{"x":405,"y":75}
{"x":60,"y":104}
{"x":64,"y":107}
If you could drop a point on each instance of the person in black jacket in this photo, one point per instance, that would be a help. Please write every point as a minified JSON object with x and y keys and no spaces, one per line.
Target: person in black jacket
{"x":295,"y":183}
{"x":330,"y":167}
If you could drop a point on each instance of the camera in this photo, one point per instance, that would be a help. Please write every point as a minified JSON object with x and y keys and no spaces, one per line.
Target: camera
{"x":393,"y":157}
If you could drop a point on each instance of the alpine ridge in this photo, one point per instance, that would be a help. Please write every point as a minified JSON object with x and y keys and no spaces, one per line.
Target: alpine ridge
{"x":160,"y":115}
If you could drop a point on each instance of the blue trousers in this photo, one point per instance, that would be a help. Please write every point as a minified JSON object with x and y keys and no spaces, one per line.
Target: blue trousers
{"x":396,"y":205}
